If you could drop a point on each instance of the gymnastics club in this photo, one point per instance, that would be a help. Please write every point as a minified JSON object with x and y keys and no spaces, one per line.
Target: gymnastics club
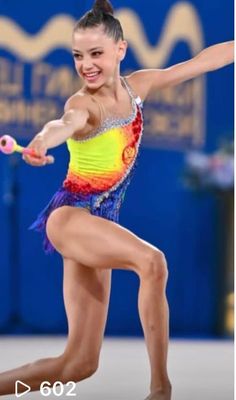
{"x":8,"y":145}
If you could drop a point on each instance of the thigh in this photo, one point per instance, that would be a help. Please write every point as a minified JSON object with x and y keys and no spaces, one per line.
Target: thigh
{"x":95,"y":241}
{"x":86,"y":297}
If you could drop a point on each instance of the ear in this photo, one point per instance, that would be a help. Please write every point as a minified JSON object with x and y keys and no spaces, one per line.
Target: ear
{"x":122,"y":48}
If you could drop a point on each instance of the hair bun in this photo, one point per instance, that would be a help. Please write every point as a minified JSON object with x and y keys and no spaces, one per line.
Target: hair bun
{"x":103,"y":6}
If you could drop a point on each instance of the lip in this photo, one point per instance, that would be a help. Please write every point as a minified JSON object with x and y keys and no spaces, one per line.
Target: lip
{"x":91,"y":76}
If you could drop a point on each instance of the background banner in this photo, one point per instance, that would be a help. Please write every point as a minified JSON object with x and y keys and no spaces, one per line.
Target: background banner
{"x":36,"y":77}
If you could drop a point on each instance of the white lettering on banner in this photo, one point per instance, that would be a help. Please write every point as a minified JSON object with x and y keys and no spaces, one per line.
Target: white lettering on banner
{"x":22,"y":112}
{"x":42,"y":101}
{"x":11,"y":78}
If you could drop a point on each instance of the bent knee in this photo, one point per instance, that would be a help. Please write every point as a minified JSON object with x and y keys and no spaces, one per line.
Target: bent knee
{"x":57,"y":218}
{"x":77,"y":371}
{"x":154,"y":265}
{"x":56,"y":222}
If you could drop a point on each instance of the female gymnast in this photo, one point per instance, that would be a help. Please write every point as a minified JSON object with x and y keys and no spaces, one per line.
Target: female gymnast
{"x":102,"y":125}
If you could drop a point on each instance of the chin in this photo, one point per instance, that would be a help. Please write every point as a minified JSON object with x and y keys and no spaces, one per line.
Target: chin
{"x":95,"y":85}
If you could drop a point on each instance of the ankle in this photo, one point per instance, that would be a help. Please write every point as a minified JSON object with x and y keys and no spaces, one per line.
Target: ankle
{"x":162,"y":387}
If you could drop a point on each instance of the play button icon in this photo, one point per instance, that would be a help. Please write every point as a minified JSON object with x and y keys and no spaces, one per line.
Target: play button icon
{"x":19,"y":386}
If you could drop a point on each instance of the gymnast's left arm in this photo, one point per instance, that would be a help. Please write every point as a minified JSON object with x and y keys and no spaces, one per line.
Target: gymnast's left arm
{"x":209,"y":59}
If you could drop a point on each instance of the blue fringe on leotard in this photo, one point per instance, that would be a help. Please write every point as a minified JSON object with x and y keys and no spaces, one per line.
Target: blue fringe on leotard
{"x":100,"y":204}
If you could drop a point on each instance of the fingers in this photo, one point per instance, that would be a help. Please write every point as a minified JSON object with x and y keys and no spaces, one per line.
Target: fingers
{"x":35,"y":153}
{"x":38,"y":161}
{"x":50,"y":159}
{"x":34,"y":161}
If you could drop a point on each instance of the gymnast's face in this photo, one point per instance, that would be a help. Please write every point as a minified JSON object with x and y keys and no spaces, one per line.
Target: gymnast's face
{"x":97,"y":56}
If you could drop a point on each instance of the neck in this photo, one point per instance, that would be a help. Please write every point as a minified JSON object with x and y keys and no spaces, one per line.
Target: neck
{"x":112,"y":88}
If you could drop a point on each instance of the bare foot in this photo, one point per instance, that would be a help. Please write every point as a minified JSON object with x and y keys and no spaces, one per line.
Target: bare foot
{"x":160,"y":394}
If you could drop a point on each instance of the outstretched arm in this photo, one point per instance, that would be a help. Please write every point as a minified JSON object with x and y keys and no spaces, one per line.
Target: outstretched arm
{"x":209,"y":59}
{"x":55,"y":133}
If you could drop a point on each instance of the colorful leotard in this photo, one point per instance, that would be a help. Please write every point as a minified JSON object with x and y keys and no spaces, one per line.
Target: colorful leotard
{"x":100,"y":168}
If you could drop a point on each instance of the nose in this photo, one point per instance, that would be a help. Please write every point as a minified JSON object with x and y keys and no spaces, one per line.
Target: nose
{"x":86,"y":64}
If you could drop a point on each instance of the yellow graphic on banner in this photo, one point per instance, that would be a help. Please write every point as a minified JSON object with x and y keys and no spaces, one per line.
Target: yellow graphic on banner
{"x":57,"y":34}
{"x":174,"y":29}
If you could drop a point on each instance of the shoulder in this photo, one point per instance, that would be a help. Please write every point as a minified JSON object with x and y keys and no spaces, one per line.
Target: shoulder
{"x":139,"y":83}
{"x":145,"y":80}
{"x":83,"y":102}
{"x":79,"y":101}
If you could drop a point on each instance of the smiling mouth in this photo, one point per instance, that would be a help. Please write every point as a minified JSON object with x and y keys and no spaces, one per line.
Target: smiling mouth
{"x":90,"y":76}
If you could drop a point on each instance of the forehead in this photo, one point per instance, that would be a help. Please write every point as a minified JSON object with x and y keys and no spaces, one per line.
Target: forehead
{"x":84,"y":39}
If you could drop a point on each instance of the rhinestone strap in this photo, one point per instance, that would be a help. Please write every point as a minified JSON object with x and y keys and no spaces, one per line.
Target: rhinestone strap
{"x":107,"y":193}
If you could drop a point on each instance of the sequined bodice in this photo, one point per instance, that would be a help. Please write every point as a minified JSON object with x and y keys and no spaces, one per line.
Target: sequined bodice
{"x":102,"y":161}
{"x":100,"y":169}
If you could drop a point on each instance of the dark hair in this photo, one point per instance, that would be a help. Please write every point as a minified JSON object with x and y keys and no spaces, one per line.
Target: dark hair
{"x":102,"y":14}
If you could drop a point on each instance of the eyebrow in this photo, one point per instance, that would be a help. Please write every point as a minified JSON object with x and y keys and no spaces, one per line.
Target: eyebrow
{"x":92,"y":49}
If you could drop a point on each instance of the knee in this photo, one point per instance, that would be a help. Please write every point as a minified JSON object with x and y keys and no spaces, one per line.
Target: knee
{"x":76,"y":371}
{"x":154,"y":266}
{"x":56,"y":223}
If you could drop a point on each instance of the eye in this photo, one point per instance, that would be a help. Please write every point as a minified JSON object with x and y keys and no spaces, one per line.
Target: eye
{"x":77,"y":56}
{"x":96,"y":53}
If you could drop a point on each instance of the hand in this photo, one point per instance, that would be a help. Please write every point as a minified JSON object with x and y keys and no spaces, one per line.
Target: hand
{"x":40,"y":158}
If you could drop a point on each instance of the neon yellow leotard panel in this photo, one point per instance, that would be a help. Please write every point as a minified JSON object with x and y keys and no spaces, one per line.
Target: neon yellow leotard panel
{"x":100,"y":163}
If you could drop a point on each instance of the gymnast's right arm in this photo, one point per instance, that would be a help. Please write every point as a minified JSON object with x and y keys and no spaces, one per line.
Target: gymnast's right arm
{"x":55,"y":133}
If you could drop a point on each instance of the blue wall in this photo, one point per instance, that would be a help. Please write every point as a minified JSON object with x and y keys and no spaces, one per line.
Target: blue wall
{"x":158,"y":207}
